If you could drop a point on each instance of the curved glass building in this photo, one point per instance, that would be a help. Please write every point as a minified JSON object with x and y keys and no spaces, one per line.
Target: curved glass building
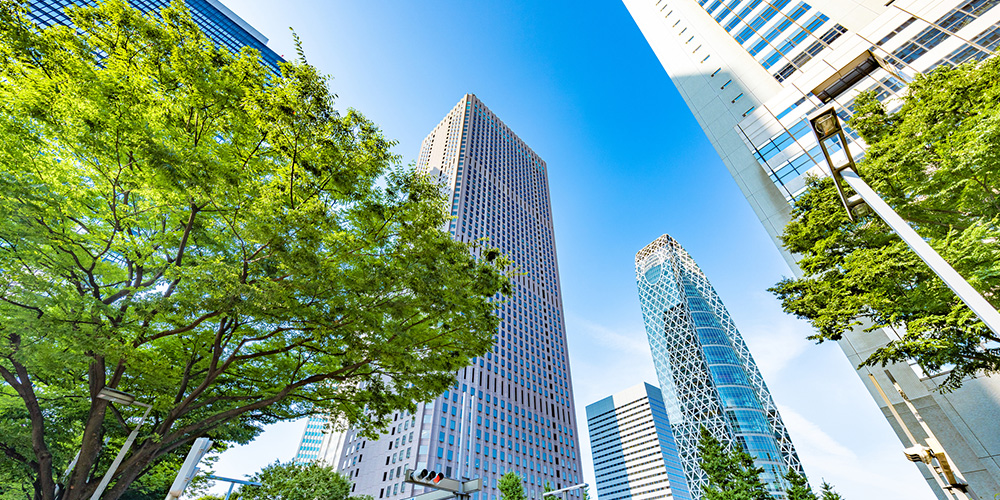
{"x":707,"y":375}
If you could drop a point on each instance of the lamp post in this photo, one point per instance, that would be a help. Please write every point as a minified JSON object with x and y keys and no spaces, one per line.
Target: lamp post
{"x":116,"y":396}
{"x":826,"y":125}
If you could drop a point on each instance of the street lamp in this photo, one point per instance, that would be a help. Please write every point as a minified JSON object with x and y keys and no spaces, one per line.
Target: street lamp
{"x":826,"y":125}
{"x":124,"y":398}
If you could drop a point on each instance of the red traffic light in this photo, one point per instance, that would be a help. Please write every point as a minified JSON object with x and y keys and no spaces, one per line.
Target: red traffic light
{"x":437,"y":478}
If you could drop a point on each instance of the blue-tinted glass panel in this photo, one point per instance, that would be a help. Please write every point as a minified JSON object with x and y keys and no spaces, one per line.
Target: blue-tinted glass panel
{"x":738,"y":397}
{"x":729,"y":375}
{"x":713,"y":336}
{"x":748,"y":421}
{"x":717,"y":355}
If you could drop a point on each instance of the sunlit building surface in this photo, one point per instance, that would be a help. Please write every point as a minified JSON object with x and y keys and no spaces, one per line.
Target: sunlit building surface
{"x":512,"y":409}
{"x":635,"y":457}
{"x":707,"y":375}
{"x":753,"y":71}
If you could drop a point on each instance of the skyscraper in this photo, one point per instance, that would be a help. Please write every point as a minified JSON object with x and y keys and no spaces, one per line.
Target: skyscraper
{"x":707,"y":375}
{"x":752,"y":71}
{"x":320,"y":442}
{"x":219,"y":23}
{"x":511,"y":410}
{"x":635,"y":457}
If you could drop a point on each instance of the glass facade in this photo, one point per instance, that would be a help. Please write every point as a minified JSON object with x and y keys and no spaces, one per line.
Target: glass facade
{"x":778,"y":34}
{"x":635,"y":456}
{"x":708,"y":377}
{"x":512,"y":409}
{"x":788,"y":153}
{"x":220,"y":25}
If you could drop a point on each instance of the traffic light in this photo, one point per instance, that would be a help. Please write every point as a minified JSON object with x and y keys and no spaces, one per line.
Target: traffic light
{"x":425,"y":476}
{"x":436,"y":480}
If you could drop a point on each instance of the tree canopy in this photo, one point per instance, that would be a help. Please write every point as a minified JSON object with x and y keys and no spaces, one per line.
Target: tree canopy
{"x":798,"y":486}
{"x":290,"y":481}
{"x":828,"y":492}
{"x":731,"y":473}
{"x":184,"y":225}
{"x":511,"y":487}
{"x":937,"y":162}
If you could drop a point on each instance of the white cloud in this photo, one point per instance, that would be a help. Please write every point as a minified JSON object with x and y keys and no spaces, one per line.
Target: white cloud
{"x":776,"y":343}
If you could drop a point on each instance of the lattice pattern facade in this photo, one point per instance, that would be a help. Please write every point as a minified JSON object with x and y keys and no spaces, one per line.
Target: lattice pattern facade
{"x":706,"y":372}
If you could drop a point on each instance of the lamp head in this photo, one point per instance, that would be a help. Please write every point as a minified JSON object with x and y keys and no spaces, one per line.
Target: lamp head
{"x":116,"y":396}
{"x":826,"y":124}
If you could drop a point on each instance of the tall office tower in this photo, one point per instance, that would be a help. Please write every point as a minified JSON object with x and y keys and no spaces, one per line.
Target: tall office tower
{"x":219,"y":23}
{"x":752,"y":71}
{"x":511,"y":410}
{"x":707,"y":375}
{"x":635,"y":457}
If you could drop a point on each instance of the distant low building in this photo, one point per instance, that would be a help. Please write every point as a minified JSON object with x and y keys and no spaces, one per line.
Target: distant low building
{"x":635,"y":457}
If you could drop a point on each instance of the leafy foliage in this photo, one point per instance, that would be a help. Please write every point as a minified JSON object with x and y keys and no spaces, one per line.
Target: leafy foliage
{"x":828,"y":493}
{"x":937,"y":162}
{"x":731,"y":473}
{"x":184,"y":225}
{"x":511,"y":487}
{"x":798,"y":486}
{"x":312,"y":481}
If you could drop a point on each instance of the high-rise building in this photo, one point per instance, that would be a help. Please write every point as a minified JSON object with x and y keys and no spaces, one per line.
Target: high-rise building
{"x":219,"y":23}
{"x":635,"y":457}
{"x":707,"y":375}
{"x":752,"y":71}
{"x":320,"y":442}
{"x":512,"y":409}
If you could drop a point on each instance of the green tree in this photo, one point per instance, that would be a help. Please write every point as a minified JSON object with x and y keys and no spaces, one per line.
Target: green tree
{"x":511,"y":487}
{"x":798,"y":486}
{"x":182,"y":224}
{"x":828,"y":493}
{"x":290,"y":481}
{"x":731,"y":473}
{"x":937,"y":162}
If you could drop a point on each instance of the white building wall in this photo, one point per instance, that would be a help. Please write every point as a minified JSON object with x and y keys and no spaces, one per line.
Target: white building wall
{"x":964,"y":420}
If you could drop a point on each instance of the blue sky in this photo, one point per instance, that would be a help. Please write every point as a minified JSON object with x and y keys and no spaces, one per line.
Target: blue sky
{"x":627,"y":163}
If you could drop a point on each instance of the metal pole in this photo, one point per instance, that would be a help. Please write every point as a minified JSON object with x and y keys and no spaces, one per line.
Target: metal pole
{"x":230,"y":491}
{"x":953,"y":476}
{"x":121,"y":454}
{"x":955,"y":281}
